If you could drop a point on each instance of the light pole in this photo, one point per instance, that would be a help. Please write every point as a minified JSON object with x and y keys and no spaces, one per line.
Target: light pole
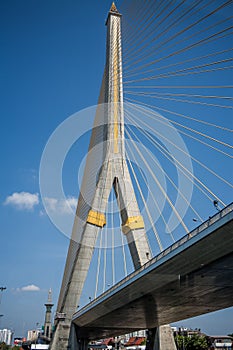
{"x":183,"y":338}
{"x":196,"y":220}
{"x":1,"y":290}
{"x":37,"y":332}
{"x":215,"y":203}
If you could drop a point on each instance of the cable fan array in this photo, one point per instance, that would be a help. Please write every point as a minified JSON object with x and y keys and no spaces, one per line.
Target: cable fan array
{"x":177,"y":76}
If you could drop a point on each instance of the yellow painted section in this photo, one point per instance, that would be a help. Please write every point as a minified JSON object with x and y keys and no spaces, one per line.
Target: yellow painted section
{"x":95,"y":218}
{"x":133,"y":223}
{"x":115,"y":97}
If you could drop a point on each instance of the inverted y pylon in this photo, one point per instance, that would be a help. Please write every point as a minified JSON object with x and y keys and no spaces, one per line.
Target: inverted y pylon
{"x":90,"y":217}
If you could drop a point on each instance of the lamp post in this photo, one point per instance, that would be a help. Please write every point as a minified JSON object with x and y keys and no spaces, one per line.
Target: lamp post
{"x":215,"y":203}
{"x":196,"y":220}
{"x":1,"y":290}
{"x":36,"y":337}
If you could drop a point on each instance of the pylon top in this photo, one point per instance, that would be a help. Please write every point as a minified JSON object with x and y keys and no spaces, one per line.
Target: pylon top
{"x":113,"y":8}
{"x":113,"y":11}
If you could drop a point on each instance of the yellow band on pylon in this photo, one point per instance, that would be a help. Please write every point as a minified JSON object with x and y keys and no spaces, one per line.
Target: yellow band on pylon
{"x":95,"y":218}
{"x":133,"y":223}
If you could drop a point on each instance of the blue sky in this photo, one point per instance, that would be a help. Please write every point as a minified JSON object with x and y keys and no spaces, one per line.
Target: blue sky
{"x":48,"y":72}
{"x":52,"y":59}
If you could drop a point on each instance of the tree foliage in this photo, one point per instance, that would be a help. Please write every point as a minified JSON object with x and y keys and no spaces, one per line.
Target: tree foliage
{"x":194,"y":342}
{"x":3,"y":346}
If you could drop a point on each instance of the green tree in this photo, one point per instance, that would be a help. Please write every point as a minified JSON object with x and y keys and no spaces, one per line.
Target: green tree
{"x":181,"y":342}
{"x":191,"y":343}
{"x":143,"y":342}
{"x":3,"y":346}
{"x":197,"y":343}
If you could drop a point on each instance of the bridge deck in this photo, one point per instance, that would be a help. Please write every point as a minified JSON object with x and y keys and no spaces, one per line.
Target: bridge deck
{"x":192,"y":277}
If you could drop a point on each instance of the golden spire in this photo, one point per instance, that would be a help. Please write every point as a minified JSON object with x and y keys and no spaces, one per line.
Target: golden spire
{"x":113,"y":11}
{"x":113,"y":8}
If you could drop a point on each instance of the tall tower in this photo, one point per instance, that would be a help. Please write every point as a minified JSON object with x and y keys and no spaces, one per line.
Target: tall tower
{"x":90,"y":218}
{"x":114,"y":171}
{"x":48,"y":319}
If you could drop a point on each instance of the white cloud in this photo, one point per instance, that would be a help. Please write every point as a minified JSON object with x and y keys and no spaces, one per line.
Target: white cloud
{"x":61,"y":206}
{"x":23,"y":200}
{"x":29,"y":288}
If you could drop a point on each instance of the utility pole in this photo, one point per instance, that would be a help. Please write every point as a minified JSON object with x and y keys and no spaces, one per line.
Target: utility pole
{"x":1,"y":289}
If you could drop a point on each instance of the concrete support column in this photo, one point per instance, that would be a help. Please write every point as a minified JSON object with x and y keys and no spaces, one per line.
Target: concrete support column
{"x":82,"y":344}
{"x":74,"y":343}
{"x":60,"y":338}
{"x":151,"y":338}
{"x":160,"y":338}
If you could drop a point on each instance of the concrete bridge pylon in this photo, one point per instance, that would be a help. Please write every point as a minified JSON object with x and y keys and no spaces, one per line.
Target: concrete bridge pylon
{"x":90,"y":218}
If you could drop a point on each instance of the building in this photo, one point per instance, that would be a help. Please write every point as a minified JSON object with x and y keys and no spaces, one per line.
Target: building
{"x":38,"y":344}
{"x":6,"y":336}
{"x":141,"y":333}
{"x":48,"y":312}
{"x":221,"y":342}
{"x":40,"y":338}
{"x":136,"y":343}
{"x":19,"y":341}
{"x":187,"y":332}
{"x":33,"y":334}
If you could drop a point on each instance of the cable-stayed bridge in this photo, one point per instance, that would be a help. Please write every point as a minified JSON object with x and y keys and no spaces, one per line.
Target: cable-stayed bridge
{"x":167,"y":284}
{"x":128,"y":202}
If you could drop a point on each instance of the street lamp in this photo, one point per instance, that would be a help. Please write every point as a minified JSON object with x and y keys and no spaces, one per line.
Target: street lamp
{"x":196,"y":220}
{"x":37,"y":333}
{"x":1,"y":289}
{"x":1,"y":317}
{"x":215,"y":203}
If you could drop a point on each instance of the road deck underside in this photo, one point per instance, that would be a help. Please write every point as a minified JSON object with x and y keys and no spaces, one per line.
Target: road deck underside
{"x":191,"y":282}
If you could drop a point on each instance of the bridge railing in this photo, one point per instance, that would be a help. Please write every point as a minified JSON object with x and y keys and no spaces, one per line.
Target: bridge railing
{"x":172,"y":247}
